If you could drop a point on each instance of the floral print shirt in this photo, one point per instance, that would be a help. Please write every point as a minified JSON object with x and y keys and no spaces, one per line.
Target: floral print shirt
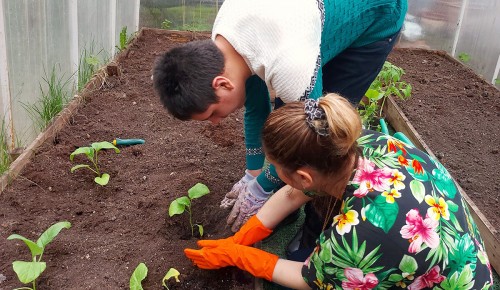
{"x":403,"y":224}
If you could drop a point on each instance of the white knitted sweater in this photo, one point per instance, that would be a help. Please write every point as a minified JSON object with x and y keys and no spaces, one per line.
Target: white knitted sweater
{"x":279,"y":40}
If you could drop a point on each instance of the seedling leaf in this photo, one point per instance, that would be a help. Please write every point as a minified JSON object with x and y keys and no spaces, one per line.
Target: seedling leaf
{"x":464,"y":57}
{"x":178,"y":206}
{"x":82,"y":150}
{"x":79,"y":166}
{"x":104,"y":145}
{"x":35,"y":249}
{"x":198,"y":191}
{"x":51,"y":233}
{"x":184,"y":200}
{"x":373,"y":94}
{"x":172,"y":272}
{"x":102,"y":180}
{"x":28,"y":271}
{"x":200,"y":229}
{"x":138,"y":275}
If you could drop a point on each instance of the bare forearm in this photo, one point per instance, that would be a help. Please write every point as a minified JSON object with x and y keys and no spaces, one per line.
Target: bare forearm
{"x":280,"y":205}
{"x":288,"y":273}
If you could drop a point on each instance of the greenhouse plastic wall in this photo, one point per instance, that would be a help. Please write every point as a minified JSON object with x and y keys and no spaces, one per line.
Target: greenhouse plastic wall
{"x":37,"y":36}
{"x":466,"y":29}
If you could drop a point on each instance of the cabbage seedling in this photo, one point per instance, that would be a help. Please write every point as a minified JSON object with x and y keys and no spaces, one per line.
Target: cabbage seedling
{"x":172,"y":273}
{"x":91,"y":153}
{"x":140,"y":273}
{"x":28,"y":272}
{"x":183,"y":203}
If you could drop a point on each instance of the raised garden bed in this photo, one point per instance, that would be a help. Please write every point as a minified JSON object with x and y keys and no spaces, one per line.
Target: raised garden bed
{"x":116,"y":227}
{"x":455,"y":115}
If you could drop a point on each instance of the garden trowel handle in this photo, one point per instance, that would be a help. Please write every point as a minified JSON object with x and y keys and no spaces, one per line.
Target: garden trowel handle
{"x":127,"y":142}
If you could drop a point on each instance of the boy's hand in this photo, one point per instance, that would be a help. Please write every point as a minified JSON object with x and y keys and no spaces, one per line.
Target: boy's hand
{"x":238,"y":188}
{"x":247,"y":205}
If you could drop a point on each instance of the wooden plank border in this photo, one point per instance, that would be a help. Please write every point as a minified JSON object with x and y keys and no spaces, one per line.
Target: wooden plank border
{"x":395,"y":116}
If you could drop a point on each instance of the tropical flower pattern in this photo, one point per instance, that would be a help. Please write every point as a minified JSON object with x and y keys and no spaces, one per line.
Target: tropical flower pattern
{"x":402,"y":225}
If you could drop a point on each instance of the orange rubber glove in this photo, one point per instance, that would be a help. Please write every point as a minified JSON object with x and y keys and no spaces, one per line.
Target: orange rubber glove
{"x":223,"y":253}
{"x":251,"y":232}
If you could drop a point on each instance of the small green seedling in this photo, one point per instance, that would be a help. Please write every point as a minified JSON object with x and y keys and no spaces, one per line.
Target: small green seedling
{"x":183,"y":203}
{"x":91,"y":153}
{"x":172,"y":273}
{"x":497,"y":81}
{"x":387,"y":83}
{"x":28,"y":272}
{"x":125,"y":39}
{"x":166,"y":24}
{"x":140,"y":273}
{"x":464,"y":57}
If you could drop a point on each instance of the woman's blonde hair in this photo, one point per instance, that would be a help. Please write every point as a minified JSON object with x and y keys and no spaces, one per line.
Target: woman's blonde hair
{"x":289,"y":140}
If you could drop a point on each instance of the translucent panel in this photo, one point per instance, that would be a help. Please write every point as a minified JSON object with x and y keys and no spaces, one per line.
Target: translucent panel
{"x":432,"y":23}
{"x":94,"y":28}
{"x":57,"y":34}
{"x":42,"y":36}
{"x":179,"y":14}
{"x":471,"y":31}
{"x":480,"y":36}
{"x":25,"y":50}
{"x":126,"y":17}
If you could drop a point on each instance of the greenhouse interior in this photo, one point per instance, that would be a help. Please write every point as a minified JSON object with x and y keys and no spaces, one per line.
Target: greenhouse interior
{"x":50,"y":51}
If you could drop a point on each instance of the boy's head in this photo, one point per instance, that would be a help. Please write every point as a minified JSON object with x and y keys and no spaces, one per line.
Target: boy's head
{"x":183,"y":78}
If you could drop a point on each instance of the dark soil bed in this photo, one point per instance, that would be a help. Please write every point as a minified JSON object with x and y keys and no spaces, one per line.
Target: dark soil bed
{"x":457,"y":113}
{"x":116,"y":227}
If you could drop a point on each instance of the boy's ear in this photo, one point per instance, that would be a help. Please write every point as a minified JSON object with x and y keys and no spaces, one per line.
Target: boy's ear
{"x":306,"y":179}
{"x":221,"y":82}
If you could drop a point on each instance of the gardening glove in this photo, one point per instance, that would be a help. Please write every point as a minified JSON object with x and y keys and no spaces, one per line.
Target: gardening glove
{"x":233,"y":194}
{"x":222,"y":254}
{"x":251,"y":232}
{"x":247,"y":205}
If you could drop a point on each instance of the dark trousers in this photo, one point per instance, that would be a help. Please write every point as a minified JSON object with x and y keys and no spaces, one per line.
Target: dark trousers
{"x":351,"y":73}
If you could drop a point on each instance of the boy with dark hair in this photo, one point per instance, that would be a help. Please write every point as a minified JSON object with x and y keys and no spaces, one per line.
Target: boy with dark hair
{"x":297,"y":48}
{"x":189,"y":71}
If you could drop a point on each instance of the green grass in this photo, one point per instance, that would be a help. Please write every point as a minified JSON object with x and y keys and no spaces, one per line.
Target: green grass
{"x":4,"y":150}
{"x":53,"y":99}
{"x":125,"y":39}
{"x":90,"y":62}
{"x":57,"y":90}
